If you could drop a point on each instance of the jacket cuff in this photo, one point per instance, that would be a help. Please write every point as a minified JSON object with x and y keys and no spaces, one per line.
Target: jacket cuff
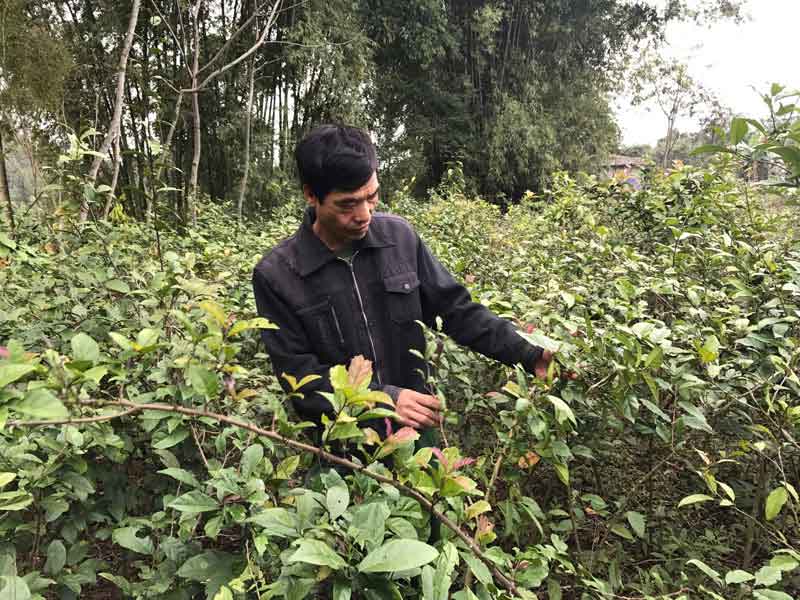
{"x":530,"y":354}
{"x":392,"y":391}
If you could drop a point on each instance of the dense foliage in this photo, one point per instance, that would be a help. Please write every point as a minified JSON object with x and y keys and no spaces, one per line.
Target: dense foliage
{"x":668,"y":468}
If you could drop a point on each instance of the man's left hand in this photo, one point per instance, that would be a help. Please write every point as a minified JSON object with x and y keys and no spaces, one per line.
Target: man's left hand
{"x":543,"y":364}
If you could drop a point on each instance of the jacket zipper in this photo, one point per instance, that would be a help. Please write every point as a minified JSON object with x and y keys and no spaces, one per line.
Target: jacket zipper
{"x":363,"y":314}
{"x":336,"y":322}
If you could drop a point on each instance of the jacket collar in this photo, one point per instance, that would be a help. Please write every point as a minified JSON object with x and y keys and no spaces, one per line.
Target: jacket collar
{"x":312,"y":253}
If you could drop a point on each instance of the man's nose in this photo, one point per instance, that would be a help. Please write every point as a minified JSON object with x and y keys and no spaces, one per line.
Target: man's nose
{"x":363,"y":212}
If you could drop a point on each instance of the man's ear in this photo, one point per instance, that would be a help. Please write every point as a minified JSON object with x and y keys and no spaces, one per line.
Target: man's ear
{"x":309,"y":195}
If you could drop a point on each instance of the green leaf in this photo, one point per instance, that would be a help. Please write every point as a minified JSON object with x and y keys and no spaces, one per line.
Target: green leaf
{"x":209,"y":565}
{"x":316,"y":552}
{"x":479,"y":507}
{"x":398,"y":555}
{"x":251,"y":458}
{"x":337,"y":500}
{"x":694,"y":499}
{"x":95,"y":374}
{"x":213,"y":526}
{"x":147,"y":338}
{"x":224,"y":593}
{"x":276,"y":522}
{"x":10,"y":373}
{"x":117,"y":285}
{"x":368,"y":524}
{"x":637,"y":522}
{"x":194,"y":502}
{"x":120,"y":340}
{"x":6,"y":478}
{"x":563,"y":411}
{"x":709,"y":351}
{"x":126,"y":537}
{"x":768,"y":576}
{"x":771,"y":595}
{"x":783,"y":562}
{"x":54,"y":507}
{"x":704,"y":568}
{"x":173,"y":439}
{"x":562,"y":471}
{"x":737,"y":576}
{"x":621,"y":531}
{"x":14,"y":588}
{"x":204,"y":382}
{"x":775,"y":501}
{"x":181,"y":475}
{"x":7,"y":241}
{"x":81,"y":486}
{"x":84,"y":348}
{"x":214,"y":310}
{"x":287,"y":466}
{"x":257,"y":323}
{"x":16,"y":500}
{"x":695,"y":418}
{"x":342,"y":590}
{"x":478,"y":568}
{"x":42,"y":404}
{"x":56,"y":557}
{"x":738,"y":130}
{"x":709,"y":149}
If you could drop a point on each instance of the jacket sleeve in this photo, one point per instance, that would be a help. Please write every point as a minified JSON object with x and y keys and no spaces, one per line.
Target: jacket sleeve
{"x":467,"y":322}
{"x":291,"y":352}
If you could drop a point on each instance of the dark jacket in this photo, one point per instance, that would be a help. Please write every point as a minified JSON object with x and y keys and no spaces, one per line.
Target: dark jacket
{"x":329,"y":310}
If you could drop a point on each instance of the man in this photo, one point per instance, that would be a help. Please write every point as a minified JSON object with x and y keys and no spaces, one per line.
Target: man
{"x":353,"y":281}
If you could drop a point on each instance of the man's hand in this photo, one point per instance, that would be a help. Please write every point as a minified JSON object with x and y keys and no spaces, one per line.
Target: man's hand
{"x":542,"y":364}
{"x":418,"y":410}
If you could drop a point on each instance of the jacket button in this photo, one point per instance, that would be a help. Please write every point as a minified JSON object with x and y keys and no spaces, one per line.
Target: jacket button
{"x":406,"y":286}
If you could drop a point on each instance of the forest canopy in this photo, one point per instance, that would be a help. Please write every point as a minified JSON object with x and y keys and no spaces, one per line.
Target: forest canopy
{"x":214,"y":94}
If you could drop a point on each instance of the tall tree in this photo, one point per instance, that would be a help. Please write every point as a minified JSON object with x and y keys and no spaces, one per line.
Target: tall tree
{"x":113,"y":133}
{"x":674,"y":91}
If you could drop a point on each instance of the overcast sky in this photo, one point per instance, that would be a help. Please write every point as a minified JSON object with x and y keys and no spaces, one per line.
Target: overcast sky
{"x":729,"y":59}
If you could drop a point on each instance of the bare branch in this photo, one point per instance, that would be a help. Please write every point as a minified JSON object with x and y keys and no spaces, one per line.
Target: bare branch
{"x":236,"y":34}
{"x":243,"y":56}
{"x":77,"y":421}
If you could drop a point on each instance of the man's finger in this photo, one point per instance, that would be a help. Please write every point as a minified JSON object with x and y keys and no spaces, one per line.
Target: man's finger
{"x":408,"y":422}
{"x":429,"y":401}
{"x":425,"y":412}
{"x":423,"y":419}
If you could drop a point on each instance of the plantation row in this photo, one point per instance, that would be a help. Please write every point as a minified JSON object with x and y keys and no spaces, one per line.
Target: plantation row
{"x":667,"y":468}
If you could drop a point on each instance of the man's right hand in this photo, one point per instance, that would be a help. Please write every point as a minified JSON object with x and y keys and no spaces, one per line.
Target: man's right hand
{"x":418,"y":410}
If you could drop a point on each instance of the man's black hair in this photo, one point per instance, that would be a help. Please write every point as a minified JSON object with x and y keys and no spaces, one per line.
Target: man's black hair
{"x":335,"y":158}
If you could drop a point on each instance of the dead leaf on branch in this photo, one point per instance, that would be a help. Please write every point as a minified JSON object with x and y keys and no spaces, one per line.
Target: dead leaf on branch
{"x":360,"y":369}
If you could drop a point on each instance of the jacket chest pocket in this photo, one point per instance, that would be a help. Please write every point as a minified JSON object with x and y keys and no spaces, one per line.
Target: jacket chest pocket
{"x":402,"y":297}
{"x":322,"y":325}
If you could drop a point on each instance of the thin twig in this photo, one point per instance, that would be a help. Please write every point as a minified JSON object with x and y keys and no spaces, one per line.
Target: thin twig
{"x":78,"y":421}
{"x":199,"y":446}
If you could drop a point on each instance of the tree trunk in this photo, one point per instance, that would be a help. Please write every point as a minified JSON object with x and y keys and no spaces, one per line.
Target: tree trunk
{"x":195,"y":118}
{"x":669,"y":141}
{"x":5,"y":194}
{"x":113,"y":129}
{"x":248,"y":117}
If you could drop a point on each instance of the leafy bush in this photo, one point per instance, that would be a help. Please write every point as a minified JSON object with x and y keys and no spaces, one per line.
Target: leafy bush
{"x":146,"y":444}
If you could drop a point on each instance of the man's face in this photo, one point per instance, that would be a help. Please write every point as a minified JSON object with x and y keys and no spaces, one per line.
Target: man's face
{"x":344,"y":216}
